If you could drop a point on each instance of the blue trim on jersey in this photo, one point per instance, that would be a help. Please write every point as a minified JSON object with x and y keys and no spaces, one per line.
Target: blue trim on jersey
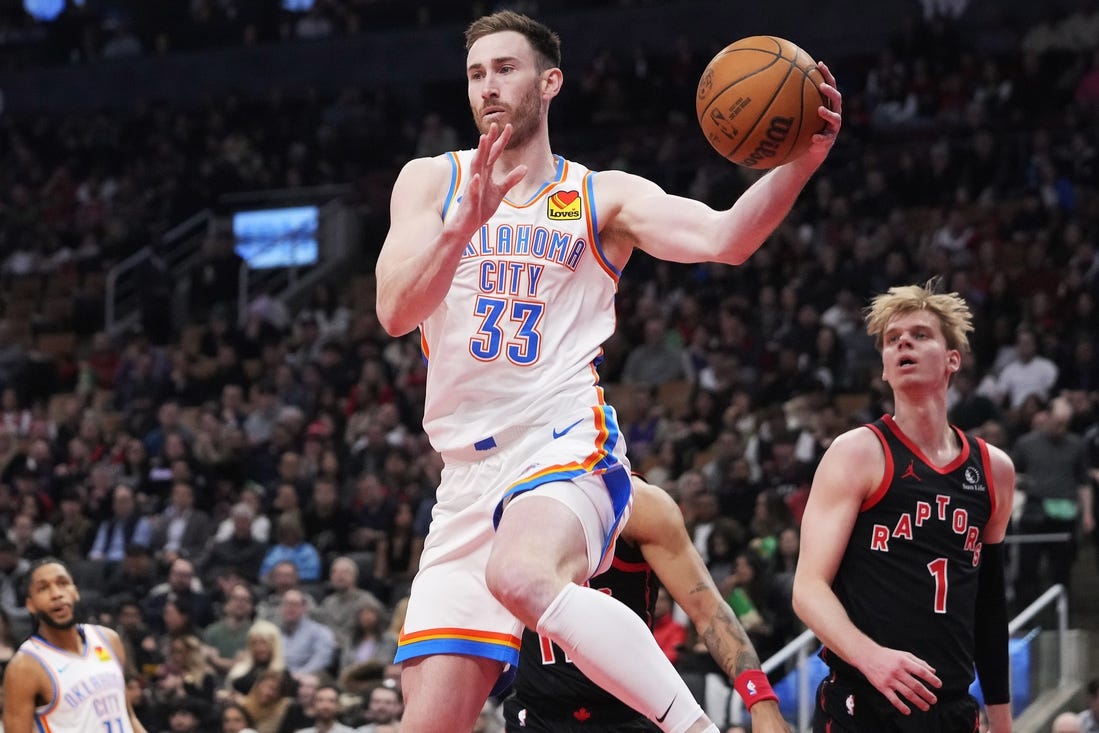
{"x":487,"y":444}
{"x":505,"y":654}
{"x":620,"y":486}
{"x":54,"y":681}
{"x":589,"y":194}
{"x":80,"y":629}
{"x":548,"y":183}
{"x":454,"y":168}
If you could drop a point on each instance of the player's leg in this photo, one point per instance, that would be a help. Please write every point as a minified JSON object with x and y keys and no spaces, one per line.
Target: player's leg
{"x":444,"y":693}
{"x":456,"y":637}
{"x":548,"y":542}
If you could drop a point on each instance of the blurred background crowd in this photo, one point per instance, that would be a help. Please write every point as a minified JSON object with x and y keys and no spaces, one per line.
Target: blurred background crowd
{"x":244,"y":494}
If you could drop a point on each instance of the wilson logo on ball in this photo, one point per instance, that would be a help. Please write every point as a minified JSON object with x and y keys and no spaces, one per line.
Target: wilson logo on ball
{"x":769,"y":144}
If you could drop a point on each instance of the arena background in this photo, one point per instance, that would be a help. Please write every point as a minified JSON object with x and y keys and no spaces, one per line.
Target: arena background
{"x":137,"y":346}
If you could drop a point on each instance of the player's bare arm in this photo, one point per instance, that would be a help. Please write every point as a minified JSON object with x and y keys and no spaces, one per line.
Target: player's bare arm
{"x":656,"y":526}
{"x":635,"y":212}
{"x":421,"y":253}
{"x":1003,"y":474}
{"x":852,"y":467}
{"x":120,"y":654}
{"x":26,"y":686}
{"x":1003,"y":477}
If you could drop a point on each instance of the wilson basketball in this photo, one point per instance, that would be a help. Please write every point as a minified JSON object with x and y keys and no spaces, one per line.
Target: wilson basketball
{"x":757,"y":101}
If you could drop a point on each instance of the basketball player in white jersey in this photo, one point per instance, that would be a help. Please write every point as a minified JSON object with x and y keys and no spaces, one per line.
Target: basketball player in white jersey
{"x":67,"y":677}
{"x":507,"y":259}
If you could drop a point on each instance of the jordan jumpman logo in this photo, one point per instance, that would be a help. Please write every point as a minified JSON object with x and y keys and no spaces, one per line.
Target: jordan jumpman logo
{"x":910,"y":472}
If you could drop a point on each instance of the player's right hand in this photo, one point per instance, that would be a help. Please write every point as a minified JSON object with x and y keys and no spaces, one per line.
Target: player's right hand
{"x":902,"y":677}
{"x":483,"y":194}
{"x":766,"y":718}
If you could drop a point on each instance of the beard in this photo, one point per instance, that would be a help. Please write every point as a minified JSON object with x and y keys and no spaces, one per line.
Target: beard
{"x":524,"y":120}
{"x":45,"y":618}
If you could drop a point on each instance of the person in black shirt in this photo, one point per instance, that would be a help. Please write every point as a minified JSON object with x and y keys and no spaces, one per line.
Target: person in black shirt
{"x":551,"y":695}
{"x":900,"y":572}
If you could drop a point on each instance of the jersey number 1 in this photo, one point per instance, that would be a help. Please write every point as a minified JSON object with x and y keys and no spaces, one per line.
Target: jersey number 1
{"x":113,"y":726}
{"x":937,"y":568}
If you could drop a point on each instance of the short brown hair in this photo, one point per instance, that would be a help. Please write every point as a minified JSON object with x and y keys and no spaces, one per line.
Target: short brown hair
{"x":546,"y":43}
{"x":953,"y":312}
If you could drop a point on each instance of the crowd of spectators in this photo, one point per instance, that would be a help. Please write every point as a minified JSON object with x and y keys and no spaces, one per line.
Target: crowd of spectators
{"x":245,"y":500}
{"x":83,"y":31}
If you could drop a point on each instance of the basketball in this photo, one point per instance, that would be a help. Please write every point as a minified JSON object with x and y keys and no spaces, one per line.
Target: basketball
{"x":757,"y":101}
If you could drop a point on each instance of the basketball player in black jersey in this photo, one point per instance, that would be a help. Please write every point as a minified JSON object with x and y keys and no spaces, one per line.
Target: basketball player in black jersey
{"x":900,"y":573}
{"x":552,"y":696}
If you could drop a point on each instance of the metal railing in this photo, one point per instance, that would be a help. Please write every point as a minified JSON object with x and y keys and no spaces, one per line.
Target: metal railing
{"x":800,"y":648}
{"x":180,"y":248}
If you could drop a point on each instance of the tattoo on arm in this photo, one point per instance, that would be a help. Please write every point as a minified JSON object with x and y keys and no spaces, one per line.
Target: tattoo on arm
{"x":729,"y":644}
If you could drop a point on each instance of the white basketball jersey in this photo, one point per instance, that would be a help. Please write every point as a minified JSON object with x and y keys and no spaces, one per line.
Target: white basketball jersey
{"x":89,"y":689}
{"x":520,"y":333}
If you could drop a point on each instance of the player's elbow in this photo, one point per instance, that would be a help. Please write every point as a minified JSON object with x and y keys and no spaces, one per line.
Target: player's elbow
{"x":801,"y":598}
{"x":393,"y":318}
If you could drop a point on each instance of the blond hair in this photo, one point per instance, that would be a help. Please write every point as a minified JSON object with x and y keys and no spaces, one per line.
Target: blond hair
{"x":273,"y":636}
{"x":955,"y":318}
{"x":546,"y":43}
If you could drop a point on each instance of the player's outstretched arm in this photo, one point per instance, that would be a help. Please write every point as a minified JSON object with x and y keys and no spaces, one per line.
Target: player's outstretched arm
{"x":421,"y":252}
{"x":850,"y":470}
{"x":635,"y":212}
{"x":25,"y":682}
{"x":120,"y":655}
{"x":656,"y":525}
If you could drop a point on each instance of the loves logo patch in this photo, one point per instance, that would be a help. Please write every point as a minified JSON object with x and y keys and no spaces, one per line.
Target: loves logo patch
{"x":564,"y":205}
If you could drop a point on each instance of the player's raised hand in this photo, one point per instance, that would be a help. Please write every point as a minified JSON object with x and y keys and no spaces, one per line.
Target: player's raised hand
{"x":483,"y":194}
{"x":832,"y":113}
{"x":903,"y":678}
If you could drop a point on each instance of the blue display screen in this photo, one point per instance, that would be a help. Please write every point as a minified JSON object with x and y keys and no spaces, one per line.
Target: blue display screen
{"x":277,"y":237}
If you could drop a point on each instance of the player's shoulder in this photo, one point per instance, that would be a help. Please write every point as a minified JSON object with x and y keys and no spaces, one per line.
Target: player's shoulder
{"x":615,"y":183}
{"x":24,"y":670}
{"x":436,"y":166}
{"x":858,"y":442}
{"x":1000,"y":462}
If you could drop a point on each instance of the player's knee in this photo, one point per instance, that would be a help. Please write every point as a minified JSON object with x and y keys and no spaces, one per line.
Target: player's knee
{"x":522,"y":588}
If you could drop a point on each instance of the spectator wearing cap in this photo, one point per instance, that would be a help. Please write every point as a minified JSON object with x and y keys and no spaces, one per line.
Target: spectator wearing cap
{"x":241,"y":550}
{"x":124,"y":528}
{"x":293,"y":548}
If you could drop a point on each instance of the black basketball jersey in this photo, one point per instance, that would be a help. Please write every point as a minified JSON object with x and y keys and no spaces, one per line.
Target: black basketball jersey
{"x":550,"y":684}
{"x":908,"y":577}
